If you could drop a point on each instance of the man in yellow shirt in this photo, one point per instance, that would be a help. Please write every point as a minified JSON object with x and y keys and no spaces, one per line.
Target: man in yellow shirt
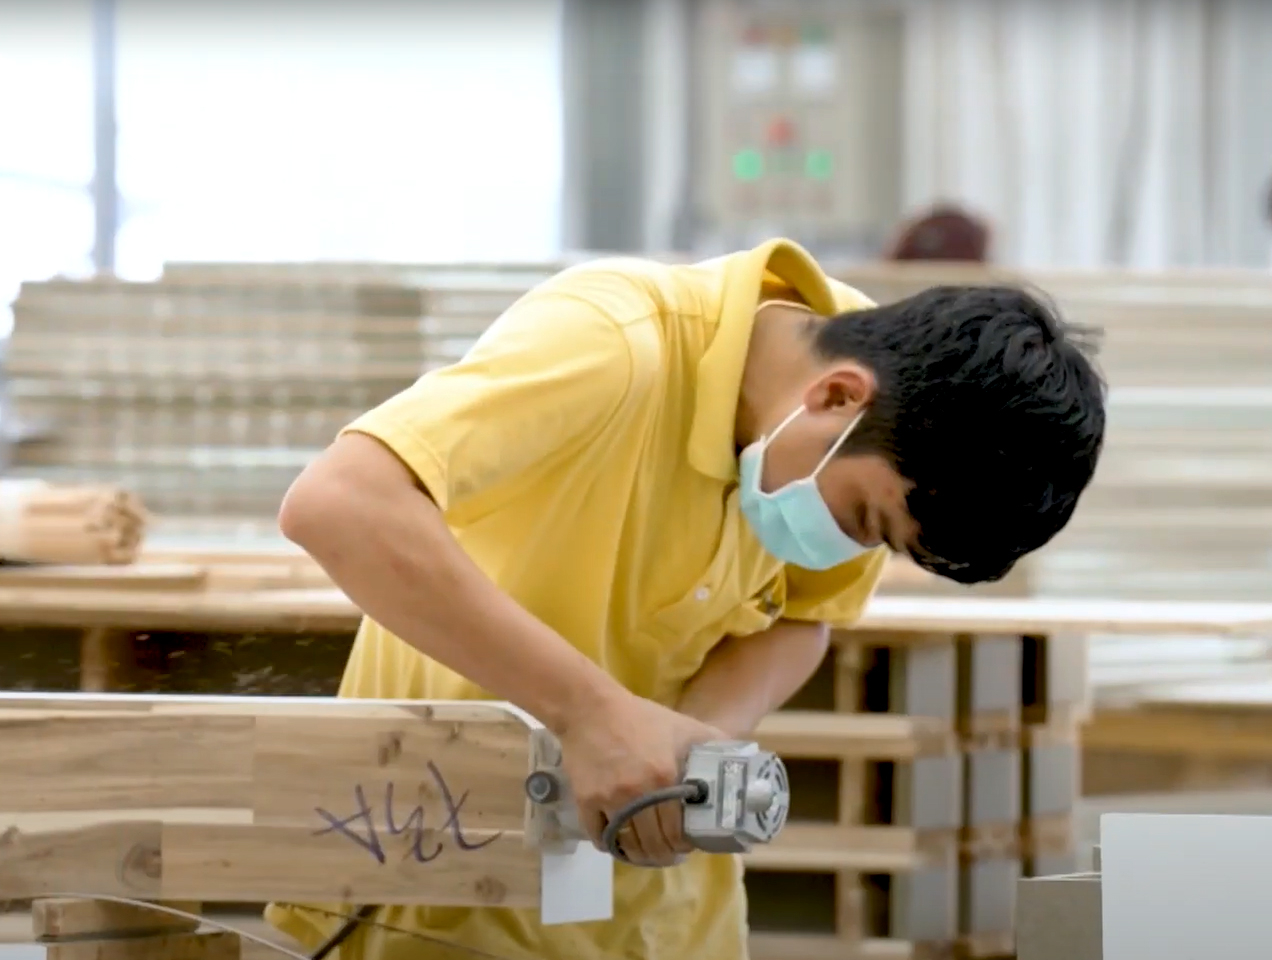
{"x":637,"y":505}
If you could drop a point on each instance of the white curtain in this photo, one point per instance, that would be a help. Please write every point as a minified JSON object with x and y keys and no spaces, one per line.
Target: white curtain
{"x":1093,"y":132}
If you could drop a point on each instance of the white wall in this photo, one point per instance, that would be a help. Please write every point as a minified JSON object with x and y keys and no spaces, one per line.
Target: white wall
{"x":367,"y":130}
{"x":46,"y":142}
{"x":393,"y":131}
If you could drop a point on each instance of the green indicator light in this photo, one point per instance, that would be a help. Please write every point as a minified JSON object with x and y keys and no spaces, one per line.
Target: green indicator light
{"x":819,"y":165}
{"x":814,"y":33}
{"x":748,"y":165}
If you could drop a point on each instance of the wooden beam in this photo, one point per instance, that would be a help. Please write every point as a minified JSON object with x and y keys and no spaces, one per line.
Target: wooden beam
{"x":857,"y":736}
{"x":328,"y":610}
{"x":237,"y":799}
{"x":62,"y":918}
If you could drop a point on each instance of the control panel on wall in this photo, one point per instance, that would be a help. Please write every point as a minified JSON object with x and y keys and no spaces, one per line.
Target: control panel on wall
{"x":799,"y":125}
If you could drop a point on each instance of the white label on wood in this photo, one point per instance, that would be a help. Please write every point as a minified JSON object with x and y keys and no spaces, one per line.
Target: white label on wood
{"x":1186,"y":887}
{"x":576,"y":887}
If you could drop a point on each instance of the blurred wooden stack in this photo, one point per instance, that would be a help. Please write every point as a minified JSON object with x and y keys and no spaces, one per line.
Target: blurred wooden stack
{"x":1182,"y":503}
{"x":208,"y":390}
{"x":207,"y":397}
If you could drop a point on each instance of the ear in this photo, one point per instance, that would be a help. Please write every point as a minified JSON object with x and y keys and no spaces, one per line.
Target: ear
{"x":845,"y":388}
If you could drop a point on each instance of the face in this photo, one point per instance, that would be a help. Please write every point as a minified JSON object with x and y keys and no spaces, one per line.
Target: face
{"x":864,"y":493}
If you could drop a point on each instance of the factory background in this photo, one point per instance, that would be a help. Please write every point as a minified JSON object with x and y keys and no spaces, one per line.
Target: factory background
{"x":228,"y":229}
{"x":1089,"y":133}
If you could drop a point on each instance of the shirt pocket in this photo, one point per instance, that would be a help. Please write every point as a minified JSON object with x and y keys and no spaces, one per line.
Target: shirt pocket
{"x":711,"y":598}
{"x":732,"y":597}
{"x":759,"y":611}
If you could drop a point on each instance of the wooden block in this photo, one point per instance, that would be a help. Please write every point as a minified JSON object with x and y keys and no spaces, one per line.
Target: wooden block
{"x":432,"y":864}
{"x":227,"y":799}
{"x":857,"y":736}
{"x":106,"y":659}
{"x":923,"y":906}
{"x":1050,"y":779}
{"x":64,"y":917}
{"x":116,"y":858}
{"x":1060,"y":918}
{"x":826,"y":848}
{"x":987,"y":899}
{"x":927,"y":793}
{"x":167,"y":946}
{"x":989,"y":684}
{"x":1052,"y":837}
{"x":992,"y":787}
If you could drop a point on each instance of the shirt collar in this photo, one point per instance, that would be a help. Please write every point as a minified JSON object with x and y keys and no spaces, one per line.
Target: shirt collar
{"x":711,"y":437}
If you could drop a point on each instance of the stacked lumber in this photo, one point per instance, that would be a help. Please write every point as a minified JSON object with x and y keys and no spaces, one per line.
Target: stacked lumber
{"x":1183,"y":496}
{"x":929,"y":772}
{"x":1183,"y":499}
{"x":209,"y":397}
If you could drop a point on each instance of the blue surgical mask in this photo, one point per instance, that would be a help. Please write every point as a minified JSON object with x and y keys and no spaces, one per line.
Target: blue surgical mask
{"x":793,"y":523}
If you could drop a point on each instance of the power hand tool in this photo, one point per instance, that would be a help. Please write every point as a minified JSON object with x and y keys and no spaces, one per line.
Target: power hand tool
{"x":735,"y":795}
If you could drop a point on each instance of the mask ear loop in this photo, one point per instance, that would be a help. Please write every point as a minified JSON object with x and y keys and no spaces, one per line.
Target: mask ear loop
{"x":834,"y":447}
{"x":764,"y":445}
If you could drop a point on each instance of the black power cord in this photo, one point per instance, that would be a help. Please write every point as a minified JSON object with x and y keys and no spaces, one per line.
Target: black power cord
{"x":691,"y":791}
{"x":342,"y":933}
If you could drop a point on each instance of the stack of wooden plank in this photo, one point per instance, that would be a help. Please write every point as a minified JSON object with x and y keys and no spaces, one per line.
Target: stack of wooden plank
{"x":1182,"y":503}
{"x":207,"y":397}
{"x":938,"y":770}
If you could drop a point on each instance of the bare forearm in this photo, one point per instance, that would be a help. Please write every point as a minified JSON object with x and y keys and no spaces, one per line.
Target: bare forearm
{"x":388,"y":548}
{"x":745,"y":678}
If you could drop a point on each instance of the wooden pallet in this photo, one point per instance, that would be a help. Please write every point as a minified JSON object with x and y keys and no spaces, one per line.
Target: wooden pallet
{"x":974,"y":787}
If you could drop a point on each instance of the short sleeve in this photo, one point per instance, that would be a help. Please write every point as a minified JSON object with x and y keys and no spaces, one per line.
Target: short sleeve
{"x":546,"y":377}
{"x":838,"y":596}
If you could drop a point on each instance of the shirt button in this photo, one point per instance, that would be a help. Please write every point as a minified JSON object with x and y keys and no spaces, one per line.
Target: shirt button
{"x":702,"y":593}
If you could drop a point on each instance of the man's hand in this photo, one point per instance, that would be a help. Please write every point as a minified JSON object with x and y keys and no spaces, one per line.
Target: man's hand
{"x":621,"y":753}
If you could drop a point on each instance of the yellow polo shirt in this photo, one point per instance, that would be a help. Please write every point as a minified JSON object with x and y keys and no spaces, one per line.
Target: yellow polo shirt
{"x":583,"y":453}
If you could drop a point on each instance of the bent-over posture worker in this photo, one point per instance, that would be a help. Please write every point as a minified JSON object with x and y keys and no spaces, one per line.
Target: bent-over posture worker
{"x":639,"y":503}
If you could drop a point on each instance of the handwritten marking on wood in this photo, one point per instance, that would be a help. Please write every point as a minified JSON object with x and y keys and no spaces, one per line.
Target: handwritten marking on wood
{"x":414,"y":826}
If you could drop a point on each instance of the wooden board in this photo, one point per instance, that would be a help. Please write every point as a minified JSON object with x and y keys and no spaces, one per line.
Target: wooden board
{"x":61,"y":918}
{"x":235,"y":799}
{"x":327,"y":610}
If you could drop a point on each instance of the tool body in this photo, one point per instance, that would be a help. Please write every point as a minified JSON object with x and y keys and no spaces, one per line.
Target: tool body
{"x":735,"y":796}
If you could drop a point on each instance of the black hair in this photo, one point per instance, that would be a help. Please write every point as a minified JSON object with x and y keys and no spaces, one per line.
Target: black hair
{"x":989,"y":403}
